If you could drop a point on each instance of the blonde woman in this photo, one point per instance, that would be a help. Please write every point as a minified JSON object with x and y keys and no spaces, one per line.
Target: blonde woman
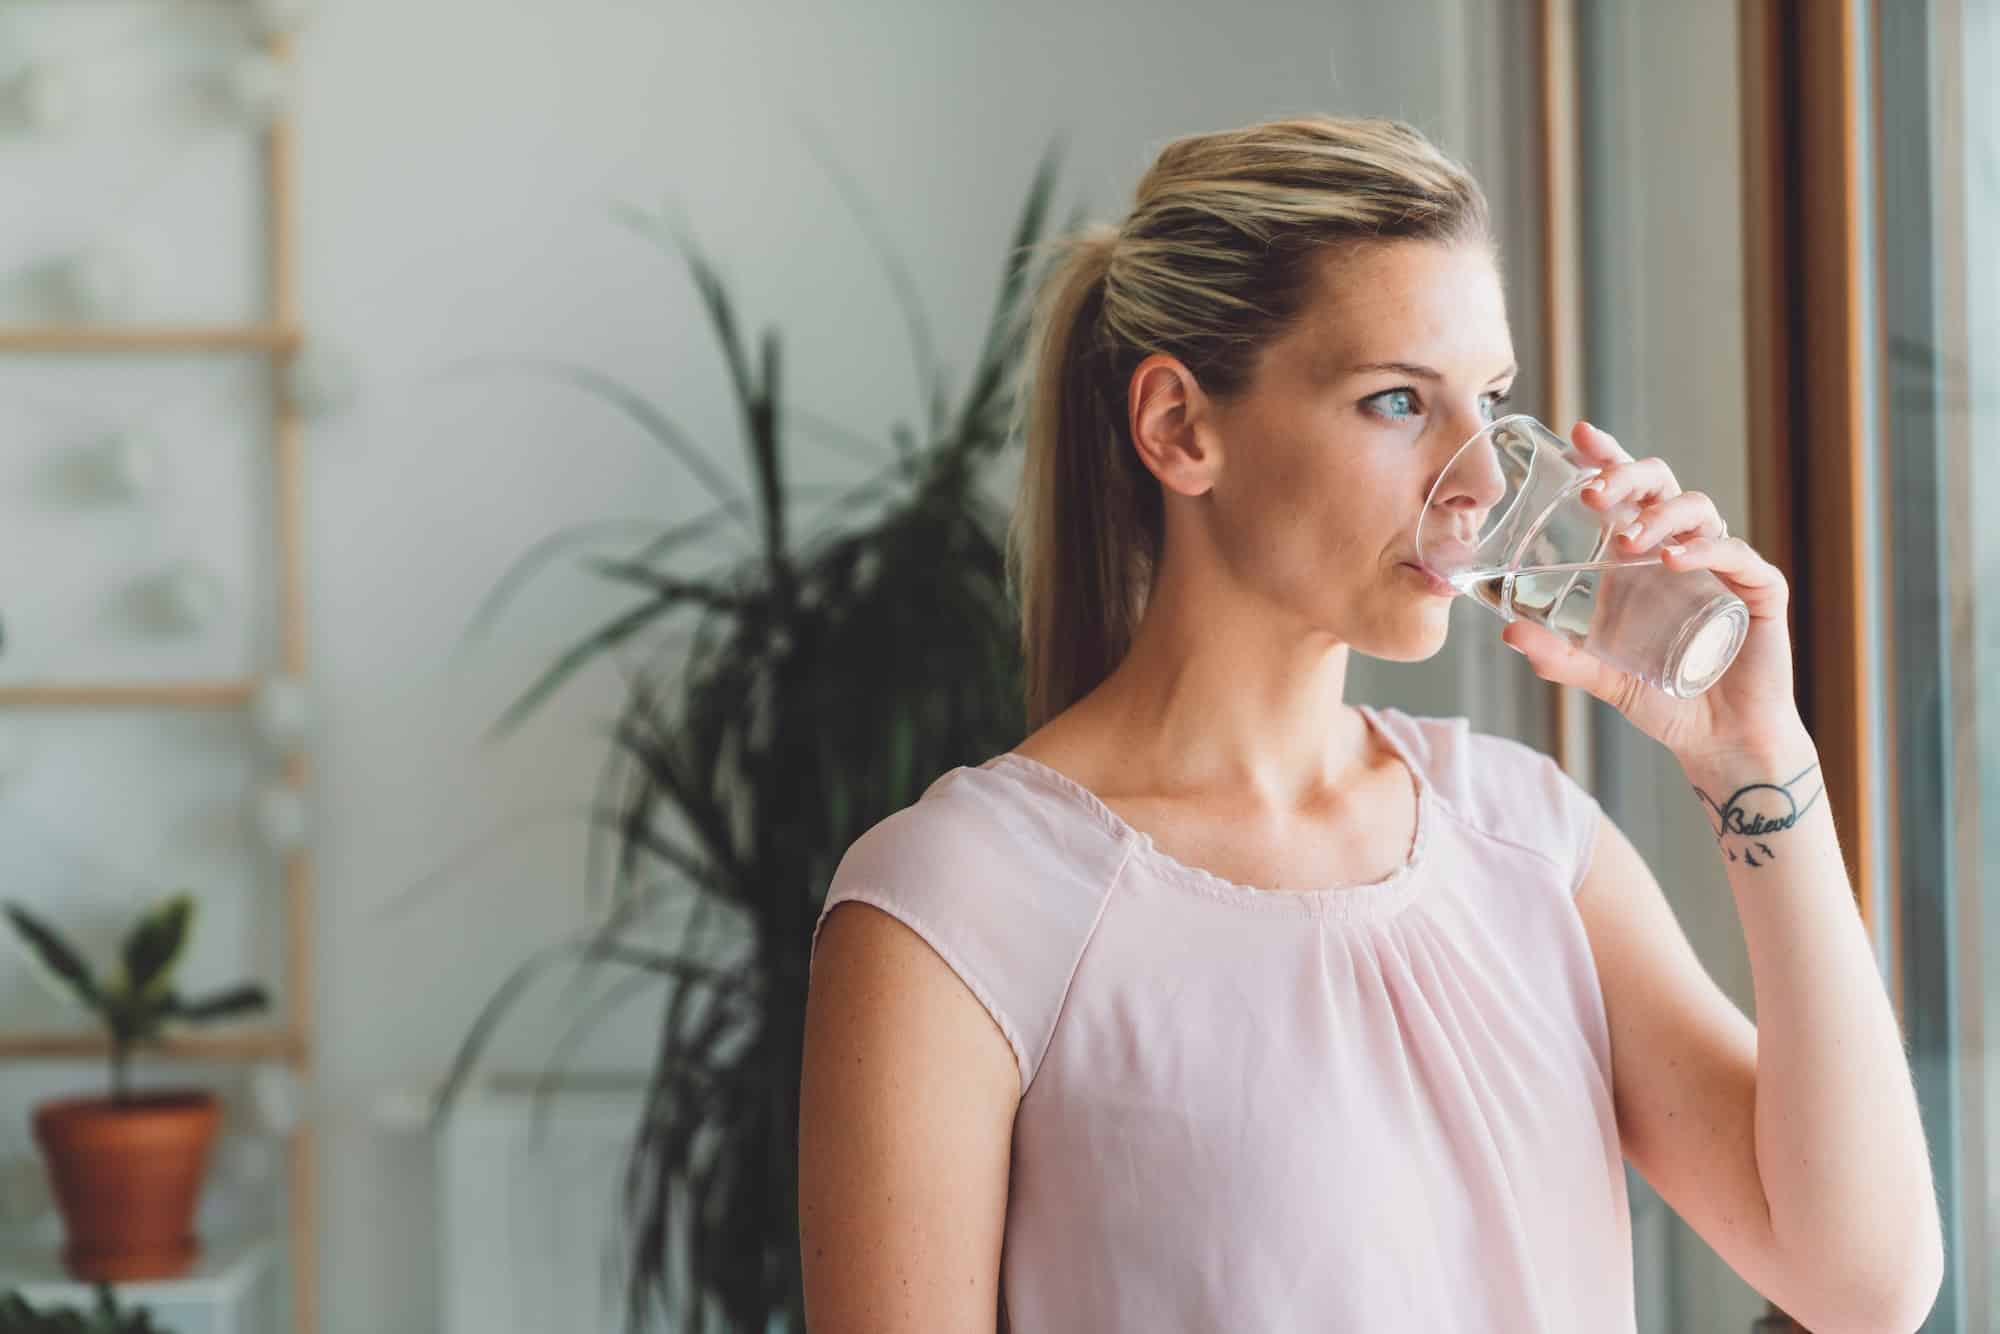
{"x":1223,"y":1004}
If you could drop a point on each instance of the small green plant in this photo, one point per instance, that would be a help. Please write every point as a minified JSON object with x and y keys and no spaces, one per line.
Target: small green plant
{"x":106,"y":1317}
{"x":138,"y":1000}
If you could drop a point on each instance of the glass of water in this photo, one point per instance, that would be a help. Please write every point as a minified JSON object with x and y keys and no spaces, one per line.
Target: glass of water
{"x":1506,"y":524}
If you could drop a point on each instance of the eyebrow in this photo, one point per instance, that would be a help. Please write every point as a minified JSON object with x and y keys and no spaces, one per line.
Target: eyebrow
{"x":1415,"y":371}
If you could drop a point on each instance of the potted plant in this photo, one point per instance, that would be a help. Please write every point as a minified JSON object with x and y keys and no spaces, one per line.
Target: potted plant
{"x":127,"y":1169}
{"x":828,"y":677}
{"x":106,"y":1316}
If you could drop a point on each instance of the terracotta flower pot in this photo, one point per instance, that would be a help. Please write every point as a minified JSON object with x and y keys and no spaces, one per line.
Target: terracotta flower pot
{"x":127,"y":1177}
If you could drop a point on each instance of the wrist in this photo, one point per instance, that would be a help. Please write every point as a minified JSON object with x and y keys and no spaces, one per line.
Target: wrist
{"x":1754,"y":793}
{"x":1775,"y":755}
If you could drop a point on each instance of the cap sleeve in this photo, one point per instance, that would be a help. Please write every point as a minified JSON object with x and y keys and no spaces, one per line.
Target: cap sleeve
{"x":1004,"y":892}
{"x":1506,"y":788}
{"x":1580,"y":818}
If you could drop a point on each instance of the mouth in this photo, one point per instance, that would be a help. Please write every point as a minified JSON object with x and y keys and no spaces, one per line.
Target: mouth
{"x":1436,"y":583}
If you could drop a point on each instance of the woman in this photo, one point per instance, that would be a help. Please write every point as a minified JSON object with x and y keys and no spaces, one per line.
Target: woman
{"x":1222,"y":1004}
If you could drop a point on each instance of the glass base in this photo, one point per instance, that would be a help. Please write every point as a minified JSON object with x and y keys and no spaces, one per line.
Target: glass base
{"x":1707,"y":645}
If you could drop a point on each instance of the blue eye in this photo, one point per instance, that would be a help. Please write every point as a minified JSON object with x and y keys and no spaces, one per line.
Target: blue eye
{"x":1394,"y":404}
{"x":1493,"y":402}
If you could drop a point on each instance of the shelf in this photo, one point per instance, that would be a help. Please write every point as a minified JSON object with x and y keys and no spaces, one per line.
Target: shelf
{"x":135,"y":695}
{"x":60,"y":338}
{"x":227,"y":1049}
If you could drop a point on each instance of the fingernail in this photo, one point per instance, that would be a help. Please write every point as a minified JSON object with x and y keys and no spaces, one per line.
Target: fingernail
{"x":1631,"y":534}
{"x":1594,"y":488}
{"x":1516,"y":647}
{"x":1673,"y":548}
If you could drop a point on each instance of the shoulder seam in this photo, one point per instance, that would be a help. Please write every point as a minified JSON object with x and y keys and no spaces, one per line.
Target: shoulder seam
{"x":1473,"y":735}
{"x":1083,"y":947}
{"x":1481,"y":830}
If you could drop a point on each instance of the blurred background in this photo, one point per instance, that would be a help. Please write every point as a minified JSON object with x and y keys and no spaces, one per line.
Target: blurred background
{"x":497,"y":496}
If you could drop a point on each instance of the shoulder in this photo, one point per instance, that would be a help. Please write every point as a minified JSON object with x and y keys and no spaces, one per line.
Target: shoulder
{"x":987,"y":836}
{"x":1501,"y":789}
{"x":1002,"y":879}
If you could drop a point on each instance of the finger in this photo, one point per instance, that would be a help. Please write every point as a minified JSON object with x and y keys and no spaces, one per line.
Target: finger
{"x":1736,"y":563}
{"x":1597,"y":444}
{"x":1687,"y":517}
{"x":1554,"y":658}
{"x":1631,"y":485}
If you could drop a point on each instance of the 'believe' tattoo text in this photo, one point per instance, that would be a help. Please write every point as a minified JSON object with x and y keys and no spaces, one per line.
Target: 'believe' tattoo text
{"x":1757,"y":810}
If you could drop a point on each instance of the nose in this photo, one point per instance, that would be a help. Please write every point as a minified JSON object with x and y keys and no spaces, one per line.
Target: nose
{"x":1473,"y":481}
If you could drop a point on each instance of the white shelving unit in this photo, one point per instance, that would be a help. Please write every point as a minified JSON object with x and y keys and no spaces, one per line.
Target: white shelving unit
{"x":229,"y":1275}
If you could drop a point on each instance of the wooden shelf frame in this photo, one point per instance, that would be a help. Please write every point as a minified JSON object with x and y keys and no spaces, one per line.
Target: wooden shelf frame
{"x":277,"y":337}
{"x":102,"y":340}
{"x":134,"y":695}
{"x":275,"y":1045}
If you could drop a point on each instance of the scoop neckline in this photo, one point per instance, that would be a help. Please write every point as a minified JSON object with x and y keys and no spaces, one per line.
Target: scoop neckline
{"x":1363,"y":900}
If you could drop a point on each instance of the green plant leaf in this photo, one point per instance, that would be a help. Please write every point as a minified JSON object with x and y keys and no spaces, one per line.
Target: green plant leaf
{"x":1004,"y":327}
{"x":579,"y":655}
{"x":56,"y":962}
{"x":245,"y":998}
{"x":666,"y":587}
{"x":524,"y":974}
{"x":647,"y":416}
{"x":916,"y":322}
{"x":546,"y":551}
{"x":155,"y":944}
{"x":767,"y":453}
{"x":677,"y":238}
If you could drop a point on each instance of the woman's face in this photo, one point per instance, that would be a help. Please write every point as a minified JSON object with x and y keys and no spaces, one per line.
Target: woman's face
{"x":1321,"y":467}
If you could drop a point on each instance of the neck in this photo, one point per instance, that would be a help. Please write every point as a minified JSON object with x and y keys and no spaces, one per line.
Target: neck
{"x":1218,"y":694}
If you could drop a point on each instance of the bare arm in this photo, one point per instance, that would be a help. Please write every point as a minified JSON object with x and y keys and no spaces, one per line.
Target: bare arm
{"x":906,"y":1121}
{"x":1794,"y":1147}
{"x":1840,"y":1144}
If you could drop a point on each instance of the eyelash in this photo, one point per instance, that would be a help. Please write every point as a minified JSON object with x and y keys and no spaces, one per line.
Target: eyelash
{"x":1496,"y":400}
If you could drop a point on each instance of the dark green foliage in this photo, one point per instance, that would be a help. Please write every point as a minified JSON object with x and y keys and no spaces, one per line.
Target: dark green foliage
{"x":816,"y":688}
{"x":106,"y":1316}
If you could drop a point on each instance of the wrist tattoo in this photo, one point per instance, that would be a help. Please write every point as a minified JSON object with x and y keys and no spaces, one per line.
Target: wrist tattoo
{"x":1756,"y":810}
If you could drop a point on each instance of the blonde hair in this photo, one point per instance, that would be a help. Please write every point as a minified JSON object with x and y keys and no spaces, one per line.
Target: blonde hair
{"x":1215,"y":260}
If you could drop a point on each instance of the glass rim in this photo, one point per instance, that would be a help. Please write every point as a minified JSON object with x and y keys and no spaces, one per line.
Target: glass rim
{"x":1495,"y":521}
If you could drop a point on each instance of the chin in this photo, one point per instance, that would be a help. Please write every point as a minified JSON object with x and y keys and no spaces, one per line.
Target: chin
{"x":1416,"y":635}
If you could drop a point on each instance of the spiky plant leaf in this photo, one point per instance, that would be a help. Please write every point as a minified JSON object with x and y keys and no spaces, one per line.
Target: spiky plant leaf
{"x":154,"y":946}
{"x":246,"y":998}
{"x":55,"y":962}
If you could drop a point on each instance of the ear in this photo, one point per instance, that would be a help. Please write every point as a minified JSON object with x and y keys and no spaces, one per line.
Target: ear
{"x":1167,"y":411}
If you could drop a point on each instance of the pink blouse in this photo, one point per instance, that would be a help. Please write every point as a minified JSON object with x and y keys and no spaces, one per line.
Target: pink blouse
{"x":1378,"y":1107}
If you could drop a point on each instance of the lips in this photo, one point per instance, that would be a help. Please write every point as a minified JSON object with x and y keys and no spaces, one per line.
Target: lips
{"x":1437,"y":583}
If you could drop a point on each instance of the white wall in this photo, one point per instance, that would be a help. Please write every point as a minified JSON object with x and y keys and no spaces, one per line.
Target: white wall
{"x":457,"y":163}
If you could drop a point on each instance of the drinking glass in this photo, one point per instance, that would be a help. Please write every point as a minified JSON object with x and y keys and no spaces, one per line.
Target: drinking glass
{"x":1505,"y":523}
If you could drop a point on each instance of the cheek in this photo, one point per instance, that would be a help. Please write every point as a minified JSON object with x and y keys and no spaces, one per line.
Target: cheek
{"x":1315,"y":528}
{"x":1325,"y":504}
